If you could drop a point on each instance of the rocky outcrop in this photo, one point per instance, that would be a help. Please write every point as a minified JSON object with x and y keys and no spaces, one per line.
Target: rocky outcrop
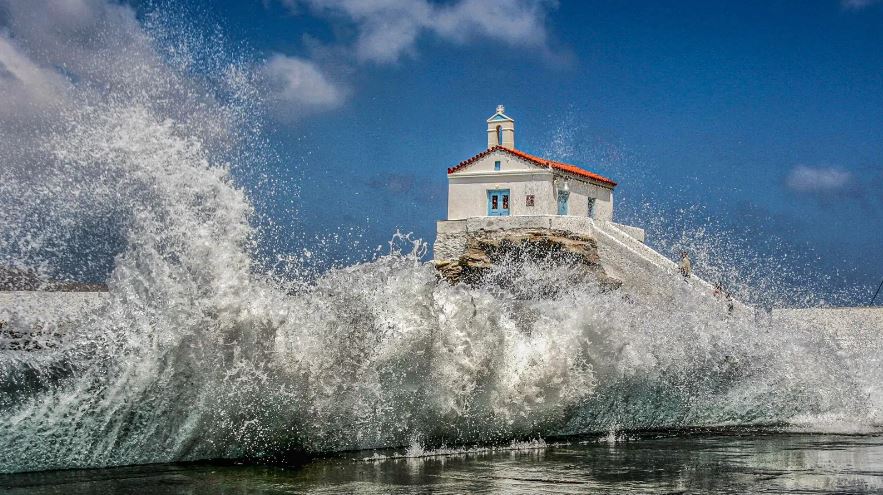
{"x":502,"y":254}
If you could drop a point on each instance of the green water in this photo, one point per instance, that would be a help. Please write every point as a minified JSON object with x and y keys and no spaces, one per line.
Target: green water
{"x":720,"y":463}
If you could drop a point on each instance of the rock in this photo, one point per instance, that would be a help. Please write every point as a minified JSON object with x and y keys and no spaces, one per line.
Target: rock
{"x":499,"y":257}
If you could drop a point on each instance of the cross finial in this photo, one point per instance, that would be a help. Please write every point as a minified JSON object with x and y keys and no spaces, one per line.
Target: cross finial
{"x":501,"y":109}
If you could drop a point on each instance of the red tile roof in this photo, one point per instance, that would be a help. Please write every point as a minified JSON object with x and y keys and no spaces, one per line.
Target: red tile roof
{"x":542,"y":162}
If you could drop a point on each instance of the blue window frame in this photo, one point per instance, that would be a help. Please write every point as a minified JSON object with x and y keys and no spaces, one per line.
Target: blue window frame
{"x":563,"y":197}
{"x":498,"y":202}
{"x":497,"y":165}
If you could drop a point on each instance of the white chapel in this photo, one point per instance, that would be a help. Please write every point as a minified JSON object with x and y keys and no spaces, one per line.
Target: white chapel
{"x":503,"y":189}
{"x":504,"y":181}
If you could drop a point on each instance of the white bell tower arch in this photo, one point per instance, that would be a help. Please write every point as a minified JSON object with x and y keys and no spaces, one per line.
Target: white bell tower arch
{"x":501,"y":129}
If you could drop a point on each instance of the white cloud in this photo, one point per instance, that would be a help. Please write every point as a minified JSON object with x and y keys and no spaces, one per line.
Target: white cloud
{"x":515,"y":22}
{"x":300,"y":86}
{"x":857,"y":4}
{"x":55,"y":55}
{"x":60,"y":56}
{"x":389,"y":29}
{"x":27,"y":90}
{"x":384,"y":32}
{"x":54,"y":52}
{"x":96,"y":41}
{"x":818,"y":180}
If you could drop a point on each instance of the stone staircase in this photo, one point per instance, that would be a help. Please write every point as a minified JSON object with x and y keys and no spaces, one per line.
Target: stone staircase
{"x":638,"y":265}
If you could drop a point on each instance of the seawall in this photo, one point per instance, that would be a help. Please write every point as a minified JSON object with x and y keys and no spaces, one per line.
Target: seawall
{"x":845,"y":324}
{"x":621,"y":249}
{"x":33,"y":320}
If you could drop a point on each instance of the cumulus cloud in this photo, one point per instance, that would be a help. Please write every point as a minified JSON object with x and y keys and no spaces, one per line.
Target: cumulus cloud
{"x":300,"y":86}
{"x":819,"y":180}
{"x":385,"y":31}
{"x":61,"y":54}
{"x":857,"y":4}
{"x":833,"y":186}
{"x":389,"y":29}
{"x":50,"y":50}
{"x":57,"y":55}
{"x":96,"y":42}
{"x":27,"y":90}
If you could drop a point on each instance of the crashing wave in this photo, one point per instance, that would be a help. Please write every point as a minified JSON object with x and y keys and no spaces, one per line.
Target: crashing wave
{"x":196,"y":354}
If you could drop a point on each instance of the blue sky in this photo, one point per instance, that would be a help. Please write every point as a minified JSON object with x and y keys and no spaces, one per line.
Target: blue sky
{"x":768,"y":115}
{"x":757,"y":119}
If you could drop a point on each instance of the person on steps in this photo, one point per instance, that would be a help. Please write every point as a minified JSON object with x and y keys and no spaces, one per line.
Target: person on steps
{"x":686,"y":267}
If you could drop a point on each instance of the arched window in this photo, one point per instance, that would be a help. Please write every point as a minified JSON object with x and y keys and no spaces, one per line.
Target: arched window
{"x":500,"y":135}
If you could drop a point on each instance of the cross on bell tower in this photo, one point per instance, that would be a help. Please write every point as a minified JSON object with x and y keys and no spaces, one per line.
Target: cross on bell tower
{"x":501,"y":129}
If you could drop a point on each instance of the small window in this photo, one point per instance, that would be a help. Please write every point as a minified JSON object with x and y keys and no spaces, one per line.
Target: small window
{"x":500,"y":135}
{"x":505,"y":201}
{"x":591,"y":210}
{"x":497,"y":165}
{"x":494,"y":204}
{"x":529,"y":200}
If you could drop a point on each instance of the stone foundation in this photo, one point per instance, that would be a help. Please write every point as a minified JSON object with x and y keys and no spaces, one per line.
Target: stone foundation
{"x":508,"y":249}
{"x":452,"y":235}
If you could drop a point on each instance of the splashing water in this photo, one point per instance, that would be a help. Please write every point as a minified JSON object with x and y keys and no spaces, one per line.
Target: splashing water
{"x":193,"y":354}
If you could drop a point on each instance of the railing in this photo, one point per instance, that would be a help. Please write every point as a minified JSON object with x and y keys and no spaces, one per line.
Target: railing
{"x":875,"y":294}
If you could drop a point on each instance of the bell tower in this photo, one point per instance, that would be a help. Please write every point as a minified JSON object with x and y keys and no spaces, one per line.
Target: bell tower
{"x":501,"y":129}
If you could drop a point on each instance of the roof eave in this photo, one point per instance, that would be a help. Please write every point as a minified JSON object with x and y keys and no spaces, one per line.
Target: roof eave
{"x":601,"y":183}
{"x":541,"y":162}
{"x":505,"y":118}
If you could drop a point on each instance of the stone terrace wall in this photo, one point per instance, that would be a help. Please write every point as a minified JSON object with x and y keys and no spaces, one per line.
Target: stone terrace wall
{"x":846,"y":324}
{"x":451,"y":235}
{"x":25,"y":316}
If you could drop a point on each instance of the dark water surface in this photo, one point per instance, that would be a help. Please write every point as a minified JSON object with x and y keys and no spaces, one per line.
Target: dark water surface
{"x":730,"y":463}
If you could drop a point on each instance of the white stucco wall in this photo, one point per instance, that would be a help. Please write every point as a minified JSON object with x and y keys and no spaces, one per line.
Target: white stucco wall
{"x":508,"y":163}
{"x":508,"y":131}
{"x":578,"y":204}
{"x":467,"y":189}
{"x":467,"y":196}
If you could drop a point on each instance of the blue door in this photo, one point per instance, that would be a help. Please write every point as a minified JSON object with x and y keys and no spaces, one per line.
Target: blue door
{"x":563,"y":196}
{"x":498,"y":203}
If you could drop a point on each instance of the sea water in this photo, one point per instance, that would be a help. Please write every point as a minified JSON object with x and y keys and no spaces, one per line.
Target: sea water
{"x":199,"y":351}
{"x":719,"y":462}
